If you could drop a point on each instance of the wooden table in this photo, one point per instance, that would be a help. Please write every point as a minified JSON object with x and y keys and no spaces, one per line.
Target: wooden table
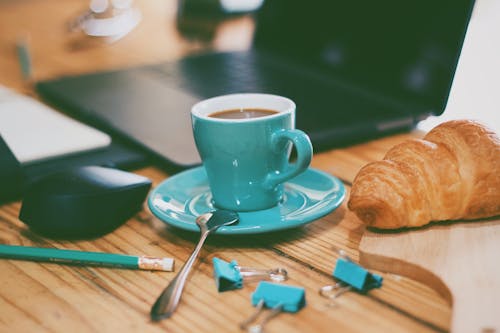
{"x":39,"y":297}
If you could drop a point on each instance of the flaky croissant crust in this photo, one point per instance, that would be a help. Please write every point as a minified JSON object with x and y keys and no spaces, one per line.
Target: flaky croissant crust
{"x":452,"y":173}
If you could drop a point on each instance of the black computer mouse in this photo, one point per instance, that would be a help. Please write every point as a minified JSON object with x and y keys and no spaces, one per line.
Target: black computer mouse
{"x":84,"y":202}
{"x":11,"y":174}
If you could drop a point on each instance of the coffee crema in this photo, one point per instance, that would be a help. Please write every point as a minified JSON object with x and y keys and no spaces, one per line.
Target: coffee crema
{"x":246,"y":113}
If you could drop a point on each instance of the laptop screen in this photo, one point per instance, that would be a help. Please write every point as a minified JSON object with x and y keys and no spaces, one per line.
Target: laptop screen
{"x":406,"y":50}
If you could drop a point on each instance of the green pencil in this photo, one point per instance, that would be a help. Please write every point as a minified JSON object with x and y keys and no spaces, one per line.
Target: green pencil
{"x":24,"y":58}
{"x":85,"y":258}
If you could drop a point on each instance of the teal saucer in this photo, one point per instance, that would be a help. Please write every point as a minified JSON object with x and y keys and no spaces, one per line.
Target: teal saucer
{"x":179,"y":199}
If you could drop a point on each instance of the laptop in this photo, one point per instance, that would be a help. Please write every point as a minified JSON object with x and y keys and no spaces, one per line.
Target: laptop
{"x":355,"y":69}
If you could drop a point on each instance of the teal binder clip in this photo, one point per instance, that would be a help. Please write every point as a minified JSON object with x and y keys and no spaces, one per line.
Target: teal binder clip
{"x":356,"y":276}
{"x":230,"y":276}
{"x":351,"y":276}
{"x":278,"y":298}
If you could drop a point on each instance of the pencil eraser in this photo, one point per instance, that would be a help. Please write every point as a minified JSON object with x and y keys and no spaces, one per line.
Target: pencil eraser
{"x":156,"y":264}
{"x":167,"y":264}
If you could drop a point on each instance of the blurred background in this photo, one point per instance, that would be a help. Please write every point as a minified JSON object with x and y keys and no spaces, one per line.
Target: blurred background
{"x":475,"y":91}
{"x":184,"y":27}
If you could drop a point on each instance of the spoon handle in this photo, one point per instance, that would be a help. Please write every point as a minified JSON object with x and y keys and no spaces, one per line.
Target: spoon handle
{"x":167,"y":302}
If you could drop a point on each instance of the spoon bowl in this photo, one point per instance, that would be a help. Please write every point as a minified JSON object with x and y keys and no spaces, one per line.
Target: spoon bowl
{"x":168,"y":300}
{"x":216,"y":219}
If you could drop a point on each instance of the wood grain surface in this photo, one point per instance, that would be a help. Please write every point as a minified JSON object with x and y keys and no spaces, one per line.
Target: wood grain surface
{"x":449,"y":256}
{"x":43,"y":297}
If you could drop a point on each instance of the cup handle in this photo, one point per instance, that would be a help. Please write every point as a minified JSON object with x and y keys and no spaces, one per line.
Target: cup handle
{"x":304,"y":150}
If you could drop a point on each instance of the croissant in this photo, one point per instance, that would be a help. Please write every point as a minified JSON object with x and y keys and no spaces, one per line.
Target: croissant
{"x":452,"y":173}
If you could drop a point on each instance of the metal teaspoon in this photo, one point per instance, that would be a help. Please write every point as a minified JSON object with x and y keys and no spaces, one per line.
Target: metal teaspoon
{"x":168,"y":300}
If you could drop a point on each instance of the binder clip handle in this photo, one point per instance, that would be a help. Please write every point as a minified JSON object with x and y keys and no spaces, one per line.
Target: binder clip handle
{"x":331,"y":292}
{"x":274,"y":274}
{"x":230,"y":276}
{"x":259,"y":327}
{"x":277,"y":297}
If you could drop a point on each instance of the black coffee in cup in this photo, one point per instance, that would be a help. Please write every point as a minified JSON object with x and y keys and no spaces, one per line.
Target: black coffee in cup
{"x":246,"y":113}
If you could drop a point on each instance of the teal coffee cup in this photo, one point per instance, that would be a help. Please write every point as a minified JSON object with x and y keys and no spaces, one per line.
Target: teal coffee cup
{"x":245,"y":141}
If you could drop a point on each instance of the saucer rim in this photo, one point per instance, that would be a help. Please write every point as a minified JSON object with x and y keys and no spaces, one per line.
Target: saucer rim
{"x":276,"y":226}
